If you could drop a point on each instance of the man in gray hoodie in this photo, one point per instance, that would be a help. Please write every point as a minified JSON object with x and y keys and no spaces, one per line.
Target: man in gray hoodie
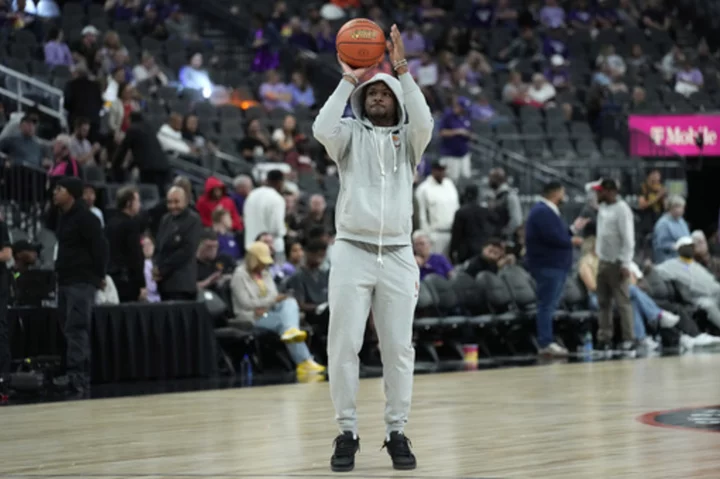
{"x":373,"y":266}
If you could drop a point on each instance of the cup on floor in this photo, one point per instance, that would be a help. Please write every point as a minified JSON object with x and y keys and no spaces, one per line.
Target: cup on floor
{"x":470,"y":354}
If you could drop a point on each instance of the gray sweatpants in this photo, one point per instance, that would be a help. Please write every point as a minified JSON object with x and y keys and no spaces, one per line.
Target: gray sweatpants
{"x":359,"y":282}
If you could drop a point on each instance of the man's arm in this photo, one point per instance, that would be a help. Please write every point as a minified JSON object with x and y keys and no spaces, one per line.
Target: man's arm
{"x":422,"y":208}
{"x":420,"y":120}
{"x":514,"y":212}
{"x":5,"y":247}
{"x":98,"y":244}
{"x":627,"y":227}
{"x":329,"y":128}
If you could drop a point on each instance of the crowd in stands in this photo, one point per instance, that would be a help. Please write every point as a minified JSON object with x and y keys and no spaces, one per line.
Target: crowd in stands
{"x":147,"y":88}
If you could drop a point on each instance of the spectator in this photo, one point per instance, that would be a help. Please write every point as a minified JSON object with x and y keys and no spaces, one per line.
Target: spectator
{"x":324,"y":37}
{"x":151,"y":25}
{"x":112,"y":50}
{"x":284,"y":137}
{"x":644,"y":308}
{"x":318,"y":216}
{"x":279,"y":16}
{"x":615,"y":248}
{"x":215,"y":197}
{"x":214,"y":270}
{"x":639,"y":62}
{"x":80,"y":147}
{"x":148,"y":70}
{"x":651,"y":201}
{"x":552,"y":15}
{"x":702,"y":254}
{"x":6,"y":255}
{"x":57,"y":53}
{"x":638,"y":103}
{"x":606,"y":16}
{"x":242,"y":186}
{"x":123,"y":10}
{"x":489,"y":258}
{"x":515,"y":90}
{"x":274,"y":93}
{"x":179,"y":25}
{"x":525,"y":47}
{"x":89,"y":197}
{"x":470,"y":227}
{"x":24,"y":258}
{"x":505,"y":208}
{"x":627,"y":13}
{"x":615,"y":62}
{"x":413,"y":40}
{"x":25,"y":147}
{"x":300,"y":38}
{"x":262,"y":38}
{"x":86,"y":49}
{"x":194,"y":137}
{"x":147,"y":154}
{"x":112,"y":88}
{"x":669,"y":229}
{"x":309,"y":286}
{"x":62,"y":164}
{"x":256,"y":302}
{"x":688,"y":80}
{"x":148,"y":248}
{"x":455,"y":139}
{"x":558,"y":74}
{"x":541,"y":92}
{"x":264,"y":211}
{"x":301,"y":91}
{"x":295,"y":256}
{"x":428,"y":14}
{"x":279,"y":270}
{"x":177,"y":241}
{"x":672,"y":62}
{"x":227,"y":240}
{"x":171,"y":138}
{"x":83,"y":99}
{"x":194,"y":77}
{"x":255,"y":142}
{"x":654,"y":16}
{"x":124,"y":233}
{"x":438,"y":202}
{"x":549,"y":258}
{"x":474,"y":69}
{"x":702,"y":285}
{"x":82,"y":255}
{"x":427,"y":261}
{"x":580,"y":17}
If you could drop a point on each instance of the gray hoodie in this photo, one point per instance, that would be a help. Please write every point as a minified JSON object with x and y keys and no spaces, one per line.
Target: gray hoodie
{"x":376,"y":164}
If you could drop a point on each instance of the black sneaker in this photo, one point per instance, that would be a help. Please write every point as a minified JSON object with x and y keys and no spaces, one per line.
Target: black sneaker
{"x":605,"y":349}
{"x":346,"y":445}
{"x":399,"y":449}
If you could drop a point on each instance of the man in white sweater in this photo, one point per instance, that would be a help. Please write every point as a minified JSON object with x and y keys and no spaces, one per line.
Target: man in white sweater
{"x":615,"y":248}
{"x":703,"y":286}
{"x":264,"y":212}
{"x":438,"y":201}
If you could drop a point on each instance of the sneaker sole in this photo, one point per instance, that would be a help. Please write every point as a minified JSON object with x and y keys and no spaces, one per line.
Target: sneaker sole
{"x":400,"y":467}
{"x":342,"y":469}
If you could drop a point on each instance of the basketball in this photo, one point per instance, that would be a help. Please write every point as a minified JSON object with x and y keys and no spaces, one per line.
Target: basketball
{"x":360,"y":43}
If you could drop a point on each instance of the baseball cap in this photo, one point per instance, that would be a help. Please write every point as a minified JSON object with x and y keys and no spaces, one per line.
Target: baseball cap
{"x":24,"y":245}
{"x":90,"y":30}
{"x":607,"y":184}
{"x":438,"y":164}
{"x":684,"y":241}
{"x":261,"y":251}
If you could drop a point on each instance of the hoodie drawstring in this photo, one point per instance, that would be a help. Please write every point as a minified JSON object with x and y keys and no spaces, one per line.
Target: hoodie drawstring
{"x":382,"y":196}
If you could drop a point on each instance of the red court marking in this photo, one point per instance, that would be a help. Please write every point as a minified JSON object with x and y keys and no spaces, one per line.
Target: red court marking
{"x":649,"y":419}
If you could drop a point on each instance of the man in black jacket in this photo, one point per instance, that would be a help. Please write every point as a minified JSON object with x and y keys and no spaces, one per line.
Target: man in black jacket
{"x":124,"y":232}
{"x":471,"y":227}
{"x":141,"y":140}
{"x":177,"y":242}
{"x":82,"y":257}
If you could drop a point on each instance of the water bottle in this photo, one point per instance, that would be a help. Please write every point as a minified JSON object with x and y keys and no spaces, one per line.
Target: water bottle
{"x":246,"y":371}
{"x":588,"y":346}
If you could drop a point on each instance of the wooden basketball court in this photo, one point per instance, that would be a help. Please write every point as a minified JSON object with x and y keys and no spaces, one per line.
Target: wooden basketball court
{"x":555,"y":421}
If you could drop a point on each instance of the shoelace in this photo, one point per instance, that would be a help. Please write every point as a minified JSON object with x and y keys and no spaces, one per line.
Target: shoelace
{"x":400,"y":445}
{"x":345,"y":446}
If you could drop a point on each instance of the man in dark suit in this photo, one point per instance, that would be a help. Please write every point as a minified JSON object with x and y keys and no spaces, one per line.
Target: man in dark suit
{"x":141,"y":140}
{"x":549,"y":255}
{"x":176,"y":246}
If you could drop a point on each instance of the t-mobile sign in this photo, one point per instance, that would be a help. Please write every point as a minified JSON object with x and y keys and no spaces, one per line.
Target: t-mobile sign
{"x":670,"y":135}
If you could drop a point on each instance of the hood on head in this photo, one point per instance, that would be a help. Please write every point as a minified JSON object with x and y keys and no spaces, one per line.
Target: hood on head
{"x":211,"y":183}
{"x":357,"y":97}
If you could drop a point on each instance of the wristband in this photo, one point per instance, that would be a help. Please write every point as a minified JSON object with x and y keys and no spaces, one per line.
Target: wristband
{"x":399,"y":64}
{"x":351,"y":76}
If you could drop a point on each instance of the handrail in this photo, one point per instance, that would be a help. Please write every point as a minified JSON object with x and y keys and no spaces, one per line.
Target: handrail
{"x":21,"y":100}
{"x":31,"y":80}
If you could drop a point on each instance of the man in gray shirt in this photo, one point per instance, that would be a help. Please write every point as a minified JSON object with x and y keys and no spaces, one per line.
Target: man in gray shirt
{"x":25,"y":147}
{"x":615,"y":248}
